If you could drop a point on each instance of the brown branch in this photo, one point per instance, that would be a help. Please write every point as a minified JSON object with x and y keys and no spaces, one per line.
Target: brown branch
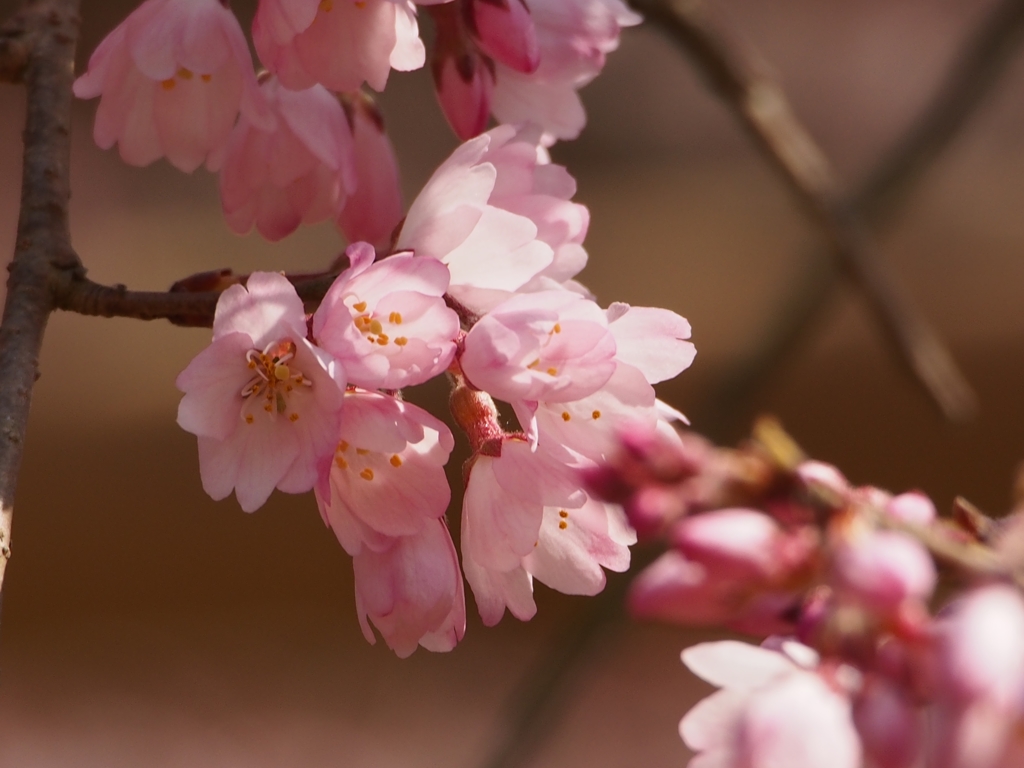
{"x":43,"y":245}
{"x":14,"y":47}
{"x":761,"y":107}
{"x":975,"y":70}
{"x":77,"y":293}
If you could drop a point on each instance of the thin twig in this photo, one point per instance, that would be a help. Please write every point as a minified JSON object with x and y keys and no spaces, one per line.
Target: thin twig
{"x":761,"y":107}
{"x":76,"y":293}
{"x":975,"y":70}
{"x":43,"y":245}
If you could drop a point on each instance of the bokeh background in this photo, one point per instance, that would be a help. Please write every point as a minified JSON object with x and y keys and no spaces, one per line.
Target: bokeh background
{"x":144,"y":624}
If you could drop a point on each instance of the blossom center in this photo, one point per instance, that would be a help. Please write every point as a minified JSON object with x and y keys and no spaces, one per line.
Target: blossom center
{"x":366,"y":464}
{"x":373,"y":327}
{"x":274,"y":381}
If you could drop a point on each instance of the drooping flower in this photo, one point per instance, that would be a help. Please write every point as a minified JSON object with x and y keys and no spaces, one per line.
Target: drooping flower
{"x":574,"y":37}
{"x":383,"y":497}
{"x":412,"y":591}
{"x":299,"y":172}
{"x":172,"y":78}
{"x":374,"y":211}
{"x":387,"y":321}
{"x":338,"y":43}
{"x":498,"y":214}
{"x":264,"y":402}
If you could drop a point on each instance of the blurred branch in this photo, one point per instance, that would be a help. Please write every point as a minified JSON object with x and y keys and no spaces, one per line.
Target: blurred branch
{"x":43,"y":245}
{"x":974,"y":72}
{"x":761,"y":107}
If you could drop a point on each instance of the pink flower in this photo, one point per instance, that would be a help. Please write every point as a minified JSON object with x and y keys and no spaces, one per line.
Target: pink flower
{"x":525,"y":517}
{"x":552,"y":345}
{"x":770,"y":712}
{"x":172,"y":78}
{"x":504,"y":31}
{"x":374,"y":211}
{"x":338,"y":43}
{"x":298,"y":172}
{"x":889,"y":725}
{"x":497,"y":195}
{"x":387,"y":476}
{"x":736,"y":567}
{"x":980,"y":679}
{"x":263,"y":401}
{"x":652,"y":340}
{"x":412,"y":591}
{"x":387,"y":321}
{"x":574,"y":36}
{"x":913,"y":507}
{"x":463,"y":77}
{"x":882,"y":570}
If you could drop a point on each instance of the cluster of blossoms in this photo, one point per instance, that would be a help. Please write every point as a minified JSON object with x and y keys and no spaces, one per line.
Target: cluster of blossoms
{"x":301,"y":143}
{"x":854,"y":669}
{"x":283,"y":400}
{"x":475,"y":281}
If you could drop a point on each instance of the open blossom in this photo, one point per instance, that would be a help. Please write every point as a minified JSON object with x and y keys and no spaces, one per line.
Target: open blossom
{"x":300,"y":171}
{"x":338,"y":43}
{"x":172,"y":78}
{"x":372,"y":214}
{"x":551,"y":345}
{"x":524,"y":517}
{"x":772,"y":711}
{"x":264,"y":402}
{"x":498,"y":214}
{"x":387,"y":321}
{"x":387,"y":475}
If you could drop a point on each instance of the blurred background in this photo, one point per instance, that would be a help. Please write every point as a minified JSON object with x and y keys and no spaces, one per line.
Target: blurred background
{"x":144,"y":624}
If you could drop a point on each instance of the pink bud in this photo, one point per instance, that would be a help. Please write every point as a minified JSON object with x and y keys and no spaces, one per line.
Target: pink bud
{"x":913,"y":508}
{"x":504,"y":29}
{"x":731,"y":543}
{"x":882,"y":569}
{"x":374,"y":210}
{"x":464,"y":84}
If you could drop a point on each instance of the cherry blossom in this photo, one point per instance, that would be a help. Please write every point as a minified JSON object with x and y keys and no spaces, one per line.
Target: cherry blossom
{"x":263,"y":401}
{"x":300,"y":171}
{"x":771,"y":711}
{"x":372,"y":214}
{"x":172,"y":78}
{"x":338,"y":43}
{"x":387,"y":477}
{"x":387,"y":321}
{"x":412,"y":591}
{"x":498,"y":195}
{"x":504,"y":31}
{"x":551,"y":345}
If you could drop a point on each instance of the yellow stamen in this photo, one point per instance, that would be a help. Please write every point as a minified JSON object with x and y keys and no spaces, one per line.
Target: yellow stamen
{"x":343,"y":446}
{"x":395,"y":318}
{"x":595,"y":415}
{"x":401,"y":341}
{"x":552,"y":371}
{"x":249,"y":418}
{"x":366,"y":474}
{"x":557,"y":328}
{"x":184,"y":74}
{"x":396,"y":460}
{"x":167,"y":84}
{"x":326,"y":6}
{"x":206,"y":78}
{"x":293,"y":417}
{"x":565,"y":416}
{"x":361,"y":306}
{"x":362,"y":451}
{"x":383,"y":339}
{"x":563,"y":525}
{"x":340,"y":461}
{"x":562,"y":513}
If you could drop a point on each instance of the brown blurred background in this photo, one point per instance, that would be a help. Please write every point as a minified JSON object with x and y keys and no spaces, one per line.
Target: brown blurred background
{"x":144,"y":624}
